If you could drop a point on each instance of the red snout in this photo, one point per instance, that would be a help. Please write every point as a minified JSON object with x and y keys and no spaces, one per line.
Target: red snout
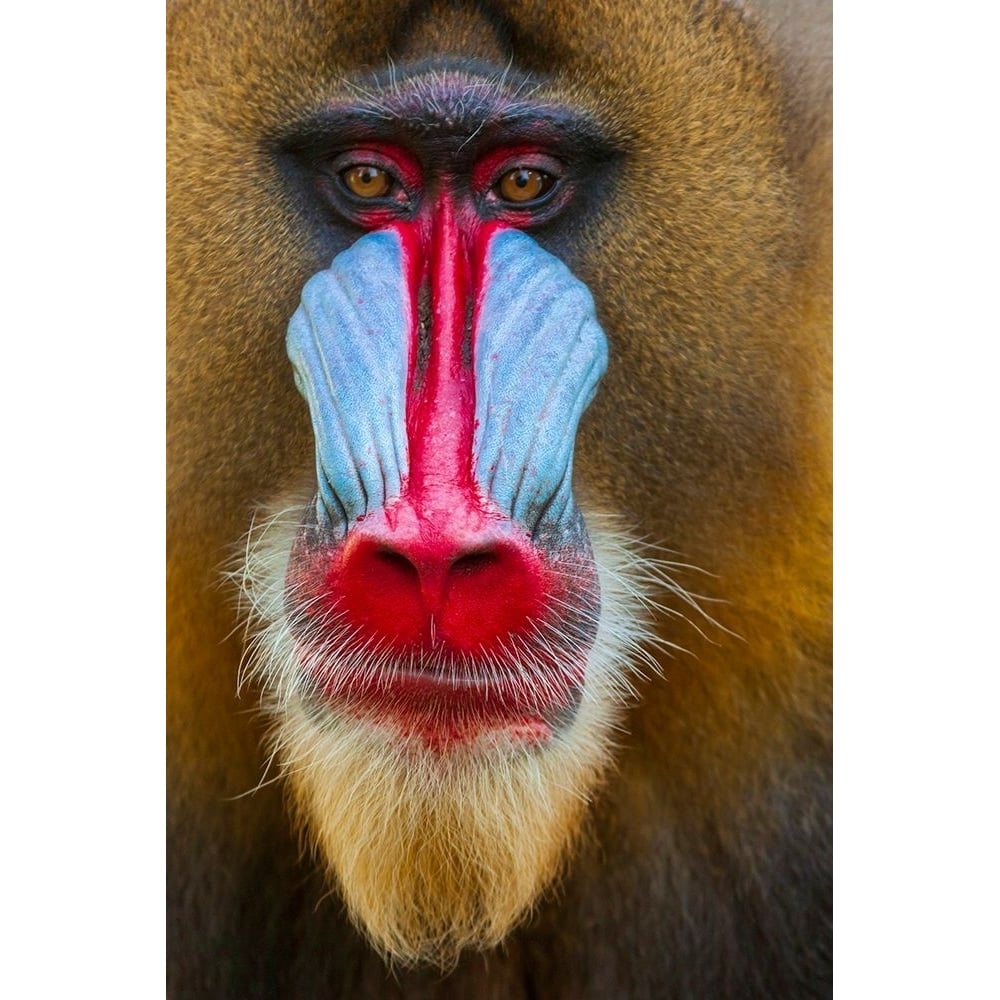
{"x":462,"y":591}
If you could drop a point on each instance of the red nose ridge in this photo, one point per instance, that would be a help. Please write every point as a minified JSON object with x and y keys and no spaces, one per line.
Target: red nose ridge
{"x":469,"y":594}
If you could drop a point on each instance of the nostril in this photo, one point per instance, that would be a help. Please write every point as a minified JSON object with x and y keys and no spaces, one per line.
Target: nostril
{"x":475,"y":562}
{"x":396,"y":562}
{"x":491,"y":593}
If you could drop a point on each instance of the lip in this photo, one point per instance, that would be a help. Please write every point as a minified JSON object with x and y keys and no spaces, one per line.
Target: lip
{"x":506,"y":692}
{"x":448,"y":707}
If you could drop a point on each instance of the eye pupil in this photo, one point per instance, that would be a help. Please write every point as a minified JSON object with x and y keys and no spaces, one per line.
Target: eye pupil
{"x":367,"y":181}
{"x":524,"y":184}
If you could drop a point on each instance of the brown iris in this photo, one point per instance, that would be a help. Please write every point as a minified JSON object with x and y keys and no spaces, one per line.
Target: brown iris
{"x":524,"y":184}
{"x":367,"y":181}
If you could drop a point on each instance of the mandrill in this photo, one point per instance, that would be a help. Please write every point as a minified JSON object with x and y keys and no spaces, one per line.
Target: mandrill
{"x":499,"y":334}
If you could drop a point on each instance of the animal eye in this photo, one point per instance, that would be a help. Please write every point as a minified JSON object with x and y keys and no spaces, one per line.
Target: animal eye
{"x":364,"y":180}
{"x":524,"y":184}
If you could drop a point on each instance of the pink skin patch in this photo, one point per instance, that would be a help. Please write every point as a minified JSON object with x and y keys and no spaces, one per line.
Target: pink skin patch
{"x":438,"y":614}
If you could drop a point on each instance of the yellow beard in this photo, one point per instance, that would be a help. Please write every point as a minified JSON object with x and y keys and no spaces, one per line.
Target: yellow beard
{"x":437,"y":852}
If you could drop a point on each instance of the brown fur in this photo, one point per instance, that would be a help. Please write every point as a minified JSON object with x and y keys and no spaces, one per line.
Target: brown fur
{"x":706,"y":872}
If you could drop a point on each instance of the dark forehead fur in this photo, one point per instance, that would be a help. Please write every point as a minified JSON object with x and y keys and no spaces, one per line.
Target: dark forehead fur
{"x":454,"y":90}
{"x":446,"y":97}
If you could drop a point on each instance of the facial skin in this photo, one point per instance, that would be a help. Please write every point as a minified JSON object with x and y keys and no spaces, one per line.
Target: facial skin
{"x":440,"y":625}
{"x":504,"y":328}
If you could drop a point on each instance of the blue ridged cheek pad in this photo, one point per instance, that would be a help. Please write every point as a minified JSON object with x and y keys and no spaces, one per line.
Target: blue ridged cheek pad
{"x":539,"y":354}
{"x":349,"y":343}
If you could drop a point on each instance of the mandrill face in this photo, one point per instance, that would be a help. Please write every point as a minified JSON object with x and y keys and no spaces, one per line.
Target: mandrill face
{"x":441,"y":640}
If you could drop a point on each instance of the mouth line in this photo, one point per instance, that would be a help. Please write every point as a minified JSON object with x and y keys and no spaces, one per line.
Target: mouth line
{"x":508,"y":688}
{"x":463,"y":678}
{"x":445,"y":709}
